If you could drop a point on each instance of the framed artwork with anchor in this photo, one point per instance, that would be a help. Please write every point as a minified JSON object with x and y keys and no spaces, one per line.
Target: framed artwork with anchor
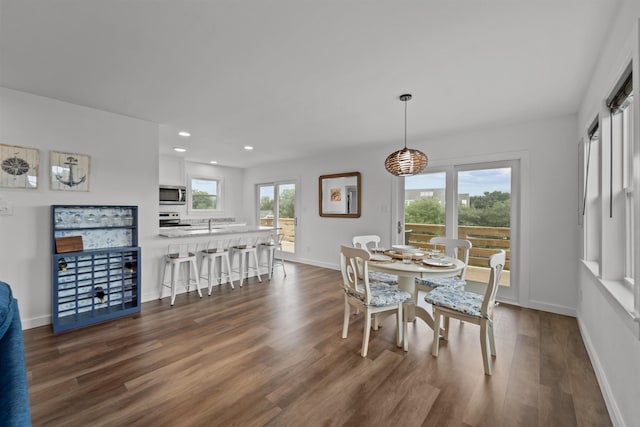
{"x":69,"y":171}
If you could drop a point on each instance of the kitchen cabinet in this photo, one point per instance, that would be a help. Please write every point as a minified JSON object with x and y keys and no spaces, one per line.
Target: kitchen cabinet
{"x":95,"y":264}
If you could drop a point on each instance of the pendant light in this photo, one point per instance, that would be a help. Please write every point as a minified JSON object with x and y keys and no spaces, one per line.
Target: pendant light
{"x":406,"y":162}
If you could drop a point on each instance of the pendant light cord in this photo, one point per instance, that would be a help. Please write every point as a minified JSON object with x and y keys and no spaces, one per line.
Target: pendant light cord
{"x":405,"y":124}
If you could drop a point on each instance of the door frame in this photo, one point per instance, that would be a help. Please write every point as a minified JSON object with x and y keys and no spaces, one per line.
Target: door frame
{"x":296,"y":206}
{"x":518,"y":293}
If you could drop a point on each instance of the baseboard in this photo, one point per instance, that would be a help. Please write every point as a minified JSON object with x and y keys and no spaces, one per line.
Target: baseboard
{"x":552,"y":308}
{"x":36,"y":322}
{"x":609,"y":400}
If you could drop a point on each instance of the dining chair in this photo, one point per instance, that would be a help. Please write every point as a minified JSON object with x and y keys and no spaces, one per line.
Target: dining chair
{"x":366,"y":296}
{"x":471,"y":307}
{"x":364,"y":242}
{"x":454,"y":248}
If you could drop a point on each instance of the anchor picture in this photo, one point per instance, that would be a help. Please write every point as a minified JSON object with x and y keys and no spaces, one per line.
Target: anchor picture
{"x":69,"y":172}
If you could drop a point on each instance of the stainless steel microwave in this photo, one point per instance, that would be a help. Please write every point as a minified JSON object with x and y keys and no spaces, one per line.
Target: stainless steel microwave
{"x":173,"y":195}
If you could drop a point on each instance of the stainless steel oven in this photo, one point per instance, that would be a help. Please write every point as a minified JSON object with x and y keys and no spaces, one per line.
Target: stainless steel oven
{"x":173,"y":195}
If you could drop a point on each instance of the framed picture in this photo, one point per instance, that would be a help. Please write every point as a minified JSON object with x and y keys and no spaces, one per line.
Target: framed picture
{"x":19,"y":166}
{"x":69,"y":171}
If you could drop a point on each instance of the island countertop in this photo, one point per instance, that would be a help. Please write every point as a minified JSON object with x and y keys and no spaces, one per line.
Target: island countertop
{"x":220,"y":231}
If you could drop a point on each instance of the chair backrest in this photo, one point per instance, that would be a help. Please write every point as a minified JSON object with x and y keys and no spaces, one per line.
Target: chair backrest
{"x":182,"y":250}
{"x":355,"y":271}
{"x":451,"y":247}
{"x":496,"y":263}
{"x":364,"y":241}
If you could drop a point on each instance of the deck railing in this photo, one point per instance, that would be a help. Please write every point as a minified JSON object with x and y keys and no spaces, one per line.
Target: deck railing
{"x":287,"y":227}
{"x":485,"y":240}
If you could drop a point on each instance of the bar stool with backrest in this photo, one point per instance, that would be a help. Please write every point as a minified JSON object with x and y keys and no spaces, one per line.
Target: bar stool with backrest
{"x":213,"y":257}
{"x":272,"y":246}
{"x":246,"y":249}
{"x":178,"y":255}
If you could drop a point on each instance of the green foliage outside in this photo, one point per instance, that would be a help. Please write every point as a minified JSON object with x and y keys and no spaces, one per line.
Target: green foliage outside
{"x":493,"y":209}
{"x":286,"y":207}
{"x":203,"y":200}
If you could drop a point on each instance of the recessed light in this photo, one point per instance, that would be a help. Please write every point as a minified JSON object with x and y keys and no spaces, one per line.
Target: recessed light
{"x":213,"y":162}
{"x":179,"y":149}
{"x":184,"y":133}
{"x":248,"y":147}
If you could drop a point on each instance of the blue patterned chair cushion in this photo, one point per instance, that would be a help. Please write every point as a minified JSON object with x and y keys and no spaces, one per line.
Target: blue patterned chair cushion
{"x":377,"y":276}
{"x":435,"y":282}
{"x":456,"y":299}
{"x":382,"y":294}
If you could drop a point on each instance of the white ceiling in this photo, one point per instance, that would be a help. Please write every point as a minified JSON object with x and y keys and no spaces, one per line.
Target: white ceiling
{"x":297,"y":77}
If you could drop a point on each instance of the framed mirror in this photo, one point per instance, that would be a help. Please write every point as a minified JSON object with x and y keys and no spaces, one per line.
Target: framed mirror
{"x":339,"y":195}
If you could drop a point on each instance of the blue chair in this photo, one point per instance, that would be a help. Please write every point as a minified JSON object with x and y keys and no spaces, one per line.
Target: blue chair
{"x":14,"y":394}
{"x":471,"y":307}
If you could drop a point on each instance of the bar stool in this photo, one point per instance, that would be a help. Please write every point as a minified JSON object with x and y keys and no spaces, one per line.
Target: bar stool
{"x":270,"y":247}
{"x":178,"y":255}
{"x":216,"y":255}
{"x":245,"y":251}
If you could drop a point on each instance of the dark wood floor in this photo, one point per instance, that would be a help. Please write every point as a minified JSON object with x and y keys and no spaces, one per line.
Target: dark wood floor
{"x":272,"y":354}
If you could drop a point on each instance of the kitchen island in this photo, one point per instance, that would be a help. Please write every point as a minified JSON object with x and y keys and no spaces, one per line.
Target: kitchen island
{"x":227,"y":231}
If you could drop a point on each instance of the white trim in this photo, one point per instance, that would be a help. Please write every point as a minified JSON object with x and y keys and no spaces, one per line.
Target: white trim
{"x":605,"y":387}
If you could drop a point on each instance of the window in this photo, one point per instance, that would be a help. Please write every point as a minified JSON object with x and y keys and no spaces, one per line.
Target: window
{"x":205,"y":194}
{"x":626,"y":124}
{"x":591,"y":204}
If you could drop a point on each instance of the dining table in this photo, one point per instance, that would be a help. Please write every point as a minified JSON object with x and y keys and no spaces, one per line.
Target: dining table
{"x":419,"y":267}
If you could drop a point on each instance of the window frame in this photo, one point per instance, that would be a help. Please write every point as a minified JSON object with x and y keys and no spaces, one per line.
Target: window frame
{"x":219,"y":194}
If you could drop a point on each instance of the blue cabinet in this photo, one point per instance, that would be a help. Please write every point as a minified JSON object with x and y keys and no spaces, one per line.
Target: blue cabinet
{"x":99,"y":279}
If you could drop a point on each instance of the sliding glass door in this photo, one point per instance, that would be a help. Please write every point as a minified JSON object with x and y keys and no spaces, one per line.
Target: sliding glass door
{"x":476,"y":202}
{"x":277,"y":206}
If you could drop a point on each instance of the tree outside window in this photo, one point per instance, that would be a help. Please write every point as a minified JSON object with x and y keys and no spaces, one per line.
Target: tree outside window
{"x":204,"y":194}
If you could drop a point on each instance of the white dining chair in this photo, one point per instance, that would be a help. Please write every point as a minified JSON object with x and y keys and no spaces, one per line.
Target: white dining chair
{"x":368,"y":243}
{"x":454,"y":248}
{"x":365,"y":296}
{"x":470,"y":307}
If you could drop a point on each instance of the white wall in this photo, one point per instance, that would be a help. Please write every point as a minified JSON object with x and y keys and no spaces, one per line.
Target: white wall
{"x":609,"y":331}
{"x":124,"y":167}
{"x":174,"y":170}
{"x":549,"y":150}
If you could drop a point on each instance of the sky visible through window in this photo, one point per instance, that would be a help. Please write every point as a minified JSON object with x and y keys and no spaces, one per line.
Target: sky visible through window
{"x":474,"y":182}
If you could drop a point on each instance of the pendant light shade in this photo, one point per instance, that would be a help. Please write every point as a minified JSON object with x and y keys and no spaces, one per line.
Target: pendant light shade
{"x":407,"y":161}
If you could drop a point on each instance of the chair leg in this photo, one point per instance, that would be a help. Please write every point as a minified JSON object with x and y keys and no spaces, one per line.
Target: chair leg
{"x":367,"y":331}
{"x":194,"y":271}
{"x":436,"y":333}
{"x":211,"y":266}
{"x":492,"y":342}
{"x":405,"y":331}
{"x":174,"y":279}
{"x":345,"y":322}
{"x":376,"y":321}
{"x":483,"y":346}
{"x":446,"y":327}
{"x":400,"y":326}
{"x":255,"y":259}
{"x":228,"y":272}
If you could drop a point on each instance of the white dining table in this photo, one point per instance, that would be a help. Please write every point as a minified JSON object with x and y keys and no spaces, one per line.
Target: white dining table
{"x":407,"y":274}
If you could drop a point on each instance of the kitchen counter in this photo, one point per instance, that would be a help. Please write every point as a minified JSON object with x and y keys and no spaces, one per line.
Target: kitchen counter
{"x":216,"y":231}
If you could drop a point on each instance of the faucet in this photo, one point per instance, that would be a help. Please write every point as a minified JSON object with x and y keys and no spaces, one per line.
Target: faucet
{"x":210,"y":219}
